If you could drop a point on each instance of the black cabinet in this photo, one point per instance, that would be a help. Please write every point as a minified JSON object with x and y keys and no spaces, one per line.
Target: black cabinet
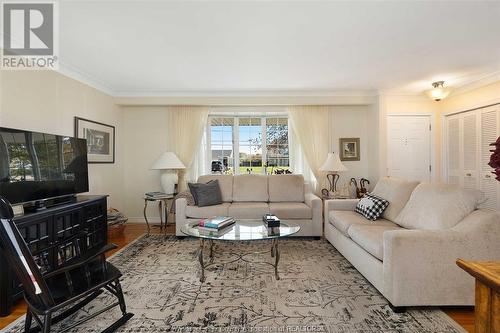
{"x":50,"y":234}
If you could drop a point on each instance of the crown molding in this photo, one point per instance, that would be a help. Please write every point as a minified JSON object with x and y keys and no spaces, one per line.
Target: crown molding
{"x":260,"y":97}
{"x":248,"y":93}
{"x":483,"y":81}
{"x":271,"y":100}
{"x":84,"y":78}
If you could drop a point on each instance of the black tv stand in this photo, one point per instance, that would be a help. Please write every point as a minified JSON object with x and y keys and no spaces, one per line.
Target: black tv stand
{"x":47,"y":233}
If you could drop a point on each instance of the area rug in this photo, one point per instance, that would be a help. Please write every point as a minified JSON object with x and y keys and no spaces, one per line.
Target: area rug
{"x":319,"y":291}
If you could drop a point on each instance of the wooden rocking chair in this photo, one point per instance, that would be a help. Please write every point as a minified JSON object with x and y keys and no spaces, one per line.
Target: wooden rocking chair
{"x":65,"y":290}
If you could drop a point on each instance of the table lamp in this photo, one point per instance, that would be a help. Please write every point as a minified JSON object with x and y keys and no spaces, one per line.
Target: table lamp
{"x":333,"y":166}
{"x":169,"y":163}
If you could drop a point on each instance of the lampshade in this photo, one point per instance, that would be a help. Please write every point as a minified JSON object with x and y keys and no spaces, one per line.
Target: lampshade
{"x":438,"y":92}
{"x":333,"y":164}
{"x":168,"y":160}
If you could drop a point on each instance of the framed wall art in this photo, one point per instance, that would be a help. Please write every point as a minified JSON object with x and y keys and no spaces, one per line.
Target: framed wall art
{"x":100,"y":140}
{"x":349,"y":149}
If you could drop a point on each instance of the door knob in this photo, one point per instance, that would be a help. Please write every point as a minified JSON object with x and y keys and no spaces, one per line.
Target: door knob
{"x":468,"y":174}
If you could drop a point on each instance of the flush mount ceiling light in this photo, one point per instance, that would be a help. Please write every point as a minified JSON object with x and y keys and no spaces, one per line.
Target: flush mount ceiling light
{"x":438,"y":92}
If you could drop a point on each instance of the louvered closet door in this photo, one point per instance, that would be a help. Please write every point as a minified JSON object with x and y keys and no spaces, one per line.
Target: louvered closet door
{"x":454,"y":151}
{"x":490,"y":129}
{"x":470,"y":144}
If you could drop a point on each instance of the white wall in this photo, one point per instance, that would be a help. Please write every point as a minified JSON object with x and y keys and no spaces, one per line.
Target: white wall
{"x":47,"y":101}
{"x":407,"y":105}
{"x":144,"y":140}
{"x":353,"y":122}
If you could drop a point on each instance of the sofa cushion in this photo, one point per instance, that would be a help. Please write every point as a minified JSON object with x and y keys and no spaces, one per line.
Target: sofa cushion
{"x":290,"y":210}
{"x":397,"y":192}
{"x":225,"y":184}
{"x":371,"y":237}
{"x":248,"y":210}
{"x":438,"y":206}
{"x":286,"y":188}
{"x":342,"y":220}
{"x":208,"y":211}
{"x":248,"y":188}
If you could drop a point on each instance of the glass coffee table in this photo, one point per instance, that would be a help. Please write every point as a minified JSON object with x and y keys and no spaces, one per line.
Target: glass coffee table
{"x":241,"y":230}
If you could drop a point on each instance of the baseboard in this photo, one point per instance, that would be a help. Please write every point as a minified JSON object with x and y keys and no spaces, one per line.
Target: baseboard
{"x":152,"y":220}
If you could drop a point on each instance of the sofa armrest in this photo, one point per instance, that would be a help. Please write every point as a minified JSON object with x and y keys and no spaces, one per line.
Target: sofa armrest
{"x":315,"y":203}
{"x":180,"y":207}
{"x":416,"y":260}
{"x":312,"y":200}
{"x":180,"y":215}
{"x":340,"y":204}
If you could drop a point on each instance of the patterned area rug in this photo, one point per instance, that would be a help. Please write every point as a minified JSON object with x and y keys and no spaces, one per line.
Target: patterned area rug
{"x":319,"y":291}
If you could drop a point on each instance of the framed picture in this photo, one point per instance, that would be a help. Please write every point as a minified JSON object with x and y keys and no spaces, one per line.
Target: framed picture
{"x":100,"y":140}
{"x":349,"y":149}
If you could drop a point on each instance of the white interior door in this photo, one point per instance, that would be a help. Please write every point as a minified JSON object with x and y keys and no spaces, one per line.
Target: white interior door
{"x":409,"y":147}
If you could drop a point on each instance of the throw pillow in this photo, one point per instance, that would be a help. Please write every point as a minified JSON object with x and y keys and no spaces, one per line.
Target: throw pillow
{"x":208,"y":194}
{"x":371,"y":206}
{"x":438,"y":206}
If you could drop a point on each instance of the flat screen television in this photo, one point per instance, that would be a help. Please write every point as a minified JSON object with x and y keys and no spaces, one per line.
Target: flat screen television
{"x":36,"y":167}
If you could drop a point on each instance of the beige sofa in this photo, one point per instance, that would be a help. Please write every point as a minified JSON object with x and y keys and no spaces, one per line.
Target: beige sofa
{"x":252,"y":196}
{"x":409,"y":255}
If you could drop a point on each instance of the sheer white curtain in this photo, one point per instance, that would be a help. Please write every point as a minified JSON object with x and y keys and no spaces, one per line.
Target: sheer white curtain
{"x":298,"y":162}
{"x":310,"y":127}
{"x":186,"y":126}
{"x":200,"y":165}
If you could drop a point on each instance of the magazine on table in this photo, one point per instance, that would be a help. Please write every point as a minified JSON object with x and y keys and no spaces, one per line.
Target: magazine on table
{"x":213,"y":232}
{"x":158,"y":195}
{"x":217,"y":222}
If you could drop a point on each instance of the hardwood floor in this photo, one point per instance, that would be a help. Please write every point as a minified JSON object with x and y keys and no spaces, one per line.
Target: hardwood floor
{"x":463,"y":315}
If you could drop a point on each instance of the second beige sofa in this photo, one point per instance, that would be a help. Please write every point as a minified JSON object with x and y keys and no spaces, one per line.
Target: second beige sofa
{"x":252,"y":196}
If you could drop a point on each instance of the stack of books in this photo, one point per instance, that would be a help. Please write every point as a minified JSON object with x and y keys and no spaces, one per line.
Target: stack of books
{"x":215,"y":225}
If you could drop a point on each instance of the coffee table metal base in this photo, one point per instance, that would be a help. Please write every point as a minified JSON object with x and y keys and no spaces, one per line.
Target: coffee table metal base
{"x":239,"y":257}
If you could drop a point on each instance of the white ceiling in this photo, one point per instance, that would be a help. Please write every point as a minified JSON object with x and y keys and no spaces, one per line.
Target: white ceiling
{"x":225,"y":47}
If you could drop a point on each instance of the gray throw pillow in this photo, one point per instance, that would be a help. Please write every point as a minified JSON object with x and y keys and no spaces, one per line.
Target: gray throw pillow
{"x":208,"y":194}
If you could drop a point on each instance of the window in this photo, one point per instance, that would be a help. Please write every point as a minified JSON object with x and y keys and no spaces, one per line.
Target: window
{"x":248,"y":144}
{"x":222,"y":153}
{"x":278,"y":155}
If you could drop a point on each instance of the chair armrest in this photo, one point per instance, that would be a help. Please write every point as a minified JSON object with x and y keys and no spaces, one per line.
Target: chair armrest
{"x":83,"y":260}
{"x":340,"y":204}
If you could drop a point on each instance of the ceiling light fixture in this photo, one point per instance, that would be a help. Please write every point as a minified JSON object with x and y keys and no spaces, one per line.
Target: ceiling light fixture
{"x":438,"y":92}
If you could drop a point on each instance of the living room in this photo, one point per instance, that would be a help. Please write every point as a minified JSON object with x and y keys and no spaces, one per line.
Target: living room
{"x":369,"y":130}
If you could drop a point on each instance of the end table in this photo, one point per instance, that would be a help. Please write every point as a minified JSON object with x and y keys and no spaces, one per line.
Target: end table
{"x":163,"y":207}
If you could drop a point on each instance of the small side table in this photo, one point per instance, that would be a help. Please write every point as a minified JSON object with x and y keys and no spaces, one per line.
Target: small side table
{"x":487,"y":310}
{"x":163,"y":207}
